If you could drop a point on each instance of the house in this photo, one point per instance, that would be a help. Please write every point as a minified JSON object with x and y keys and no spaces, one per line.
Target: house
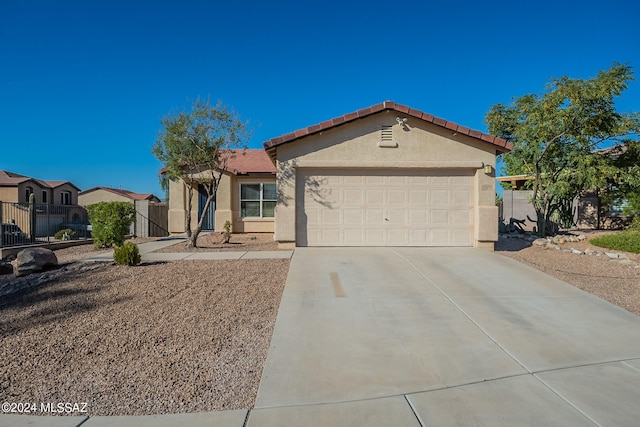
{"x":387,"y":175}
{"x":151,"y":218}
{"x":17,"y":188}
{"x":56,"y":203}
{"x":246,"y":197}
{"x":107,"y":194}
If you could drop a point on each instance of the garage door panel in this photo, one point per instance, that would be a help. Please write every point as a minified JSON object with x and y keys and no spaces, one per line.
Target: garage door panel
{"x":371,"y":208}
{"x":353,"y":216}
{"x":353,"y":237}
{"x":374,"y":196}
{"x":352,"y":196}
{"x":397,"y":197}
{"x":439,"y":197}
{"x":374,"y":217}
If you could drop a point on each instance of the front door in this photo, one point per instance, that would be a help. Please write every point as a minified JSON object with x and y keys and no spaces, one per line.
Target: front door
{"x":209,"y":219}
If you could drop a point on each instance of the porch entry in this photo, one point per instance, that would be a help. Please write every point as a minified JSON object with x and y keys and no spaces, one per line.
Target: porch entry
{"x":209,"y":220}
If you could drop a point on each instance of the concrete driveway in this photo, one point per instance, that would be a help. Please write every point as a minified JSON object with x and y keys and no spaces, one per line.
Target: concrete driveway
{"x":444,"y":337}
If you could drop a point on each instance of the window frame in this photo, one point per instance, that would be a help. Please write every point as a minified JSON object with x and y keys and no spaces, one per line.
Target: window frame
{"x":261,"y":200}
{"x":68,"y":198}
{"x":45,"y":196}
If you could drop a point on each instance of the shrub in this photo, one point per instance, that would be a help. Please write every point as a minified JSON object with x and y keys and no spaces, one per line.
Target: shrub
{"x":628,"y":241}
{"x":60,"y":235}
{"x":110,"y":222}
{"x":127,"y":254}
{"x":635,"y":224}
{"x":227,"y":226}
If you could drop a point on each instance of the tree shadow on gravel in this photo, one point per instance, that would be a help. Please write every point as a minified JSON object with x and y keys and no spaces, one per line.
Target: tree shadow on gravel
{"x":511,"y":245}
{"x":52,"y":300}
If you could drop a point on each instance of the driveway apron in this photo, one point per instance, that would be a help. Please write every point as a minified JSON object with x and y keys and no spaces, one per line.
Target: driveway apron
{"x":444,"y":336}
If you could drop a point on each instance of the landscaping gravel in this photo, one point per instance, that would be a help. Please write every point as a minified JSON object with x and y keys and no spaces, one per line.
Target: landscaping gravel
{"x":191,"y":336}
{"x":610,"y":279}
{"x":238,"y":242}
{"x":159,"y":338}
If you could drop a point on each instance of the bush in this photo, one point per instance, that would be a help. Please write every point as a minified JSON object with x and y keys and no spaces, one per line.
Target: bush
{"x":127,"y":254}
{"x":635,"y":224}
{"x":627,"y":241}
{"x":60,"y":235}
{"x":110,"y":222}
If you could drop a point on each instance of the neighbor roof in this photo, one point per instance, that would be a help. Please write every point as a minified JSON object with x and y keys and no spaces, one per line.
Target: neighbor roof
{"x":12,"y":179}
{"x":502,"y":144}
{"x":125,"y":193}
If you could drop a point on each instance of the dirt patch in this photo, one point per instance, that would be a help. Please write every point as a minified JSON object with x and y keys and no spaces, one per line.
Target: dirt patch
{"x":601,"y":276}
{"x":159,"y":338}
{"x":239,"y":242}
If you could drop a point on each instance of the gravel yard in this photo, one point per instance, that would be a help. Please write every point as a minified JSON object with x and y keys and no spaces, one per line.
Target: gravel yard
{"x":599,"y":275}
{"x":186,"y":336}
{"x":238,"y":242}
{"x":190,"y":336}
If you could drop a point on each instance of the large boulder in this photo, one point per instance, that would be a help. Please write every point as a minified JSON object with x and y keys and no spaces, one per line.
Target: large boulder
{"x":32,"y":260}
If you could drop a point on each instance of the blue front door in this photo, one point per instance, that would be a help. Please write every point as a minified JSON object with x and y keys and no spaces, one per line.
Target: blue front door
{"x":209,"y":220}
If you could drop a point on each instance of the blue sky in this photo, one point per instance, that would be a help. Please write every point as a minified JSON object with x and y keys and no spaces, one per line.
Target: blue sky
{"x":84,"y":84}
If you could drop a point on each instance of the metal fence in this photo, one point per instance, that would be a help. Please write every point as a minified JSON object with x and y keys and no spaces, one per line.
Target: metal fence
{"x":24,"y":224}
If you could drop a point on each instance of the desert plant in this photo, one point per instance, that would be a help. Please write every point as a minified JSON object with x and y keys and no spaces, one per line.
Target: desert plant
{"x":227,"y":226}
{"x":65,"y":234}
{"x":110,"y":222}
{"x":127,"y":254}
{"x":628,"y":241}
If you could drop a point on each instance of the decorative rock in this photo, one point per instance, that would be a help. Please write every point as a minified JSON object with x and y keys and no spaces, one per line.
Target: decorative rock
{"x":218,"y":238}
{"x":540,"y":242}
{"x":32,"y":260}
{"x":581,"y":237}
{"x":612,"y":255}
{"x":576,"y":251}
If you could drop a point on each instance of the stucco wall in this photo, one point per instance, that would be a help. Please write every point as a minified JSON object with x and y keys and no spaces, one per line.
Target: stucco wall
{"x":227,"y":206}
{"x":8,"y":194}
{"x":98,"y":196}
{"x":420,"y":145}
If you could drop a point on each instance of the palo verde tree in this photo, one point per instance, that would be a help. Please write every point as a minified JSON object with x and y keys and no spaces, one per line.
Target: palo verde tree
{"x":195,"y":148}
{"x":555,"y":134}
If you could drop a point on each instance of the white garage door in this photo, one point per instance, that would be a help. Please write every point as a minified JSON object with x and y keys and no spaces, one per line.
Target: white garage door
{"x":385,"y":208}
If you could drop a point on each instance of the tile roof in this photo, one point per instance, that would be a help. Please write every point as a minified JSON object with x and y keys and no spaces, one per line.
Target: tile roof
{"x":501,"y":144}
{"x":250,"y":161}
{"x":125,"y":193}
{"x":12,"y":179}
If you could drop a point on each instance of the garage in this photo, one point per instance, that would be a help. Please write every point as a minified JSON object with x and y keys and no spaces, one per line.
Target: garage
{"x":387,"y":175}
{"x":385,"y":208}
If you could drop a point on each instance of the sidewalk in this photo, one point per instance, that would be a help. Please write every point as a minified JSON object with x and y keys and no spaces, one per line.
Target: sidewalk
{"x":147,"y":252}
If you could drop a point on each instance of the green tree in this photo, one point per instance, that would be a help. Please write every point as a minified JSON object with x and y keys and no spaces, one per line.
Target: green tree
{"x":555,"y":135}
{"x":110,"y":222}
{"x":195,"y":147}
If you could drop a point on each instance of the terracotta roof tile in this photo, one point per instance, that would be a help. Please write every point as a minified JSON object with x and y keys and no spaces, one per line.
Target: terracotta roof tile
{"x":251,"y":161}
{"x":122,"y":192}
{"x":387,"y":105}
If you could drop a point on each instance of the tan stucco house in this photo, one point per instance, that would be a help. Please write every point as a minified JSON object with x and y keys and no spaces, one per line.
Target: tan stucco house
{"x":17,"y":188}
{"x":246,"y":197}
{"x":108,"y":194}
{"x":387,"y":175}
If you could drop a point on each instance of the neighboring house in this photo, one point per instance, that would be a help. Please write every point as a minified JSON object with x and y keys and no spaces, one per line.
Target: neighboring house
{"x":17,"y":188}
{"x":386,"y":175}
{"x":151,"y":215}
{"x":56,"y":203}
{"x":246,"y":197}
{"x":107,"y":194}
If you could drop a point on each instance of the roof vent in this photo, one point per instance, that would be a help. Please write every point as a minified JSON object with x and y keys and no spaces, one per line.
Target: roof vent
{"x":386,"y":137}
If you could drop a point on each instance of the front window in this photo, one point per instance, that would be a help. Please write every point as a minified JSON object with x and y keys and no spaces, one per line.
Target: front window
{"x":257,"y":200}
{"x":28,"y":192}
{"x":44,"y":196}
{"x":65,"y":198}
